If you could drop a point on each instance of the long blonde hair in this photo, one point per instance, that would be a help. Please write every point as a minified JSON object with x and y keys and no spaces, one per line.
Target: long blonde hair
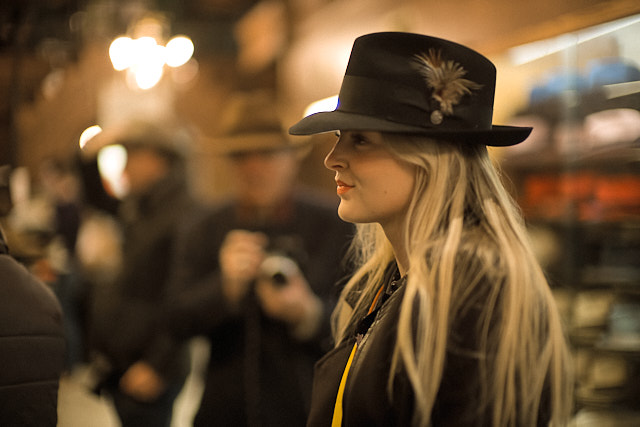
{"x":461,"y":212}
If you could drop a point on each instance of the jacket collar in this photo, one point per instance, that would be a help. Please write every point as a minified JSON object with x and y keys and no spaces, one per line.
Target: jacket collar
{"x":392,"y":282}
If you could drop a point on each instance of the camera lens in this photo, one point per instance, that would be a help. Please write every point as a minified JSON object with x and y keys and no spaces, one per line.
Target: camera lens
{"x":279,"y":278}
{"x":278,"y":269}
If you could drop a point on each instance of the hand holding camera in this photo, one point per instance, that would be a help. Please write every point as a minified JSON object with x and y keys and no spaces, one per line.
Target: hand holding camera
{"x":285,"y":294}
{"x":241,"y":255}
{"x":280,"y":286}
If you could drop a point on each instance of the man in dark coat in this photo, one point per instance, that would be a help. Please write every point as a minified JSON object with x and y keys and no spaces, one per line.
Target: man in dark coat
{"x":145,"y":369}
{"x":32,"y":342}
{"x":262,"y":270}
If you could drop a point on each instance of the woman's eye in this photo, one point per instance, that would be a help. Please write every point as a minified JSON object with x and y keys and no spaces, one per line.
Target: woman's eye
{"x":359,"y":141}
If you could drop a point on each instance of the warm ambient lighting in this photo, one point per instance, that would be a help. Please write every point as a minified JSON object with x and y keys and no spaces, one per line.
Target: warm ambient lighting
{"x":532,"y":51}
{"x":112,"y":160}
{"x":144,"y":59}
{"x":179,"y":51}
{"x":121,"y":53}
{"x":326,"y":104}
{"x":89,"y":133}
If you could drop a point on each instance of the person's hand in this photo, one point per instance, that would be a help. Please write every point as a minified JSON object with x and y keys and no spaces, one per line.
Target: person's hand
{"x":44,"y":271}
{"x":142,"y":382}
{"x":293,"y":302}
{"x":240,"y":257}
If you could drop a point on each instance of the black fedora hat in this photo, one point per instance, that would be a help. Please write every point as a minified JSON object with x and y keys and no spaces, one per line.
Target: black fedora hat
{"x":411,"y":83}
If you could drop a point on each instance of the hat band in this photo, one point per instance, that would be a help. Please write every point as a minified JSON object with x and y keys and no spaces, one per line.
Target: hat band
{"x":404,"y":104}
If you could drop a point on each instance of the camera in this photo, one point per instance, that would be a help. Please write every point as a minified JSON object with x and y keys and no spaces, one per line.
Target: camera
{"x":278,"y":268}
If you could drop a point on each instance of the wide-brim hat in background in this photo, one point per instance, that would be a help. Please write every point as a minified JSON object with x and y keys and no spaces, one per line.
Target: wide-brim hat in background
{"x":251,"y":122}
{"x":411,"y":83}
{"x":169,"y":139}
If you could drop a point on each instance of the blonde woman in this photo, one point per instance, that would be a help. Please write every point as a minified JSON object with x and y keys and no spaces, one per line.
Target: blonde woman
{"x":448,"y":319}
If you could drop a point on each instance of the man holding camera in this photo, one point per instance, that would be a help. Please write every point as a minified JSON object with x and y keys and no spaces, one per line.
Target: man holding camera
{"x":262,"y":270}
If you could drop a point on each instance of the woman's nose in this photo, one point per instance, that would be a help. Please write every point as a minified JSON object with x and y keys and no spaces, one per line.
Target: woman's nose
{"x":335,"y":159}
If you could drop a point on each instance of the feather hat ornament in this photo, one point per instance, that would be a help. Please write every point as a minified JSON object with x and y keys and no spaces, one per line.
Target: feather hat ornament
{"x":445,"y":78}
{"x":411,"y":83}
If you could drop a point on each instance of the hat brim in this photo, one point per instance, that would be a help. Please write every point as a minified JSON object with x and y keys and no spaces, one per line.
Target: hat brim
{"x":164,"y":139}
{"x":251,"y":142}
{"x":328,"y":121}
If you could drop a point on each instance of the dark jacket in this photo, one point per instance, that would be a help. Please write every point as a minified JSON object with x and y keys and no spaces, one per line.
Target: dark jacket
{"x":32,"y":347}
{"x":258,"y":373}
{"x":127,"y":319}
{"x":366,"y":401}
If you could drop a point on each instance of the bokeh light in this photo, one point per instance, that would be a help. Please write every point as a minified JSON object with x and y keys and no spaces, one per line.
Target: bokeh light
{"x":121,"y":52}
{"x":89,"y":133}
{"x":179,"y":51}
{"x":112,"y":160}
{"x":144,"y":58}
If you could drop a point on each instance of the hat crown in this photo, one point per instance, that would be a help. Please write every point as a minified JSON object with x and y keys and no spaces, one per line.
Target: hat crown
{"x":251,"y":122}
{"x":419,"y":81}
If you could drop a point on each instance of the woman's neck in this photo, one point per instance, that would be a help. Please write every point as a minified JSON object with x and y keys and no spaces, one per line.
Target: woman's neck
{"x":395,"y":235}
{"x":403,"y":263}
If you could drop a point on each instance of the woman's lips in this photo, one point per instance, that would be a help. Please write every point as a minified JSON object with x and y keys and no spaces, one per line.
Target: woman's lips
{"x":342,"y":188}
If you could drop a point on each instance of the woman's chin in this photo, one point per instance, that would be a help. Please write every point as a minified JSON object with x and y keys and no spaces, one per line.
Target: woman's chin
{"x":348,"y":216}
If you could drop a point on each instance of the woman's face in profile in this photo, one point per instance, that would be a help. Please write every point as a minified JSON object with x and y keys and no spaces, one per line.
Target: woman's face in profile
{"x":373,"y":185}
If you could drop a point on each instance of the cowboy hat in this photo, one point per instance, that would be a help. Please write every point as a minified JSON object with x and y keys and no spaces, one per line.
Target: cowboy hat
{"x":166,"y":139}
{"x":250,"y":122}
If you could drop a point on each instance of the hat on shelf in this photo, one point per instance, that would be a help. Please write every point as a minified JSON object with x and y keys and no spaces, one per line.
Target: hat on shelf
{"x":607,"y":71}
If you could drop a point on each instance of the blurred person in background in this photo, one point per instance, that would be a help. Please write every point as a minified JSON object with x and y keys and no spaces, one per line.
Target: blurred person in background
{"x":32,"y":341}
{"x":141,"y":369}
{"x":60,"y":185}
{"x":262,"y":269}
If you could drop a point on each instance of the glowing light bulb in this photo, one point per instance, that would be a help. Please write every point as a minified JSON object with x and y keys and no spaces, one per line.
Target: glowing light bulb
{"x":144,"y":59}
{"x":121,"y":52}
{"x":149,"y":62}
{"x":146,"y":76}
{"x":179,"y":51}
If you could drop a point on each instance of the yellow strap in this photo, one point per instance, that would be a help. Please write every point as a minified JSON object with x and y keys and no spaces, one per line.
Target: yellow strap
{"x":337,"y":410}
